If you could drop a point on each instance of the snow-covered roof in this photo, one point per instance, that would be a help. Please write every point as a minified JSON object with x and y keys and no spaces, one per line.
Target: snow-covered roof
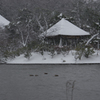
{"x":64,"y":27}
{"x":3,"y":21}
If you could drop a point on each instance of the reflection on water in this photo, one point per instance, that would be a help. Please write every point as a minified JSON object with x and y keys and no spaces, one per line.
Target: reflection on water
{"x":49,"y":82}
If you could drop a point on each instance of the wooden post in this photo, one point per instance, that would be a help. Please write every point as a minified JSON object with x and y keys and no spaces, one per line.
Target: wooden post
{"x":98,"y":45}
{"x":60,"y":42}
{"x":54,"y":41}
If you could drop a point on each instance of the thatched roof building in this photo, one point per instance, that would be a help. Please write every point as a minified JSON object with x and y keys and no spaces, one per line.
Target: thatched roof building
{"x":64,"y":30}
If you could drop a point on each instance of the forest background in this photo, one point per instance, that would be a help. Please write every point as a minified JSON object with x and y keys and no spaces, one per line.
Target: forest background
{"x":29,"y":18}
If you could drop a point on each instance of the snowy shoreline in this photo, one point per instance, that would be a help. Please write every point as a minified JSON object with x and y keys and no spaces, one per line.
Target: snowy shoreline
{"x":51,"y":63}
{"x":37,"y":58}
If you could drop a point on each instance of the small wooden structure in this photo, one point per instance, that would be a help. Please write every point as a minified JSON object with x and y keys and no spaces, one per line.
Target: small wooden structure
{"x":65,"y":33}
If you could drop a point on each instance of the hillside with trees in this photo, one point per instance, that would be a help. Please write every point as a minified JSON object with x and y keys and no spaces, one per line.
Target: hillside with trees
{"x":29,"y":18}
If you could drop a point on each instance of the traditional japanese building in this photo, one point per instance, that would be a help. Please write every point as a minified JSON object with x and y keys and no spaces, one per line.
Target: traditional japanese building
{"x":65,"y":33}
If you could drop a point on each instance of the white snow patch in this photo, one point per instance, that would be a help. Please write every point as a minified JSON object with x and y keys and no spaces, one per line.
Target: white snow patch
{"x":3,"y":21}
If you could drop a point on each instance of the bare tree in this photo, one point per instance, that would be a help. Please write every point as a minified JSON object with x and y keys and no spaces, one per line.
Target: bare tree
{"x":23,"y":27}
{"x":43,"y":27}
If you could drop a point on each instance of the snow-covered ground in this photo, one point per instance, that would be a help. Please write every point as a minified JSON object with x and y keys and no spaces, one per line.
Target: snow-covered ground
{"x":59,"y":59}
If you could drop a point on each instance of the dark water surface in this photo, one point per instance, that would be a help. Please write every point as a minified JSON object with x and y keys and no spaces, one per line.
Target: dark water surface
{"x":49,"y":82}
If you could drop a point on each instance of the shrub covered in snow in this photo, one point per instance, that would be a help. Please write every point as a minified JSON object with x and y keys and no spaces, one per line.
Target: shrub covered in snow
{"x":88,"y":51}
{"x":83,"y":50}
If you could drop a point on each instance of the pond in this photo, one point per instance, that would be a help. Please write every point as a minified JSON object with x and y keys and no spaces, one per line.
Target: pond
{"x":50,"y":82}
